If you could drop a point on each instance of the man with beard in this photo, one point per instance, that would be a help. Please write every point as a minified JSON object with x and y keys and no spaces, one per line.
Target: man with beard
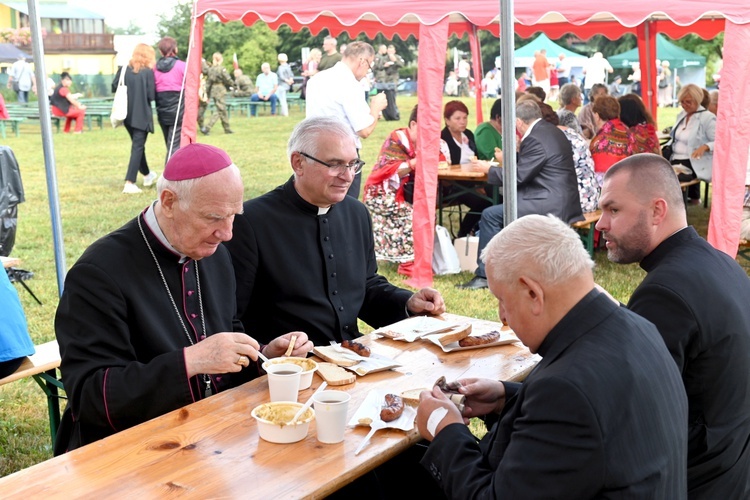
{"x":697,"y":298}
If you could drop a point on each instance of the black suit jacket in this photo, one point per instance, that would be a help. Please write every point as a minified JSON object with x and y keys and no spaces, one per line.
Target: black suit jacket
{"x":454,"y":148}
{"x":141,"y":93}
{"x":698,"y":298}
{"x":601,"y":416}
{"x":297,"y":270}
{"x":546,"y":175}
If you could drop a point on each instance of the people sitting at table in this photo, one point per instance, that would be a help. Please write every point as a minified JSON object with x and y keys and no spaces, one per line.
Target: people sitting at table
{"x":613,"y":140}
{"x":388,"y":196}
{"x":588,"y":185}
{"x":304,"y":253}
{"x":66,"y":105}
{"x":586,"y":115}
{"x":570,"y":100}
{"x":147,"y":322}
{"x":696,"y":296}
{"x":603,"y":414}
{"x":458,"y":146}
{"x":15,"y":343}
{"x":692,"y":139}
{"x":489,"y":135}
{"x":634,"y":114}
{"x":546,"y":180}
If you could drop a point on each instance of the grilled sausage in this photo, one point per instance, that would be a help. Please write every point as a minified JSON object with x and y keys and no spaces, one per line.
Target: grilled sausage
{"x":356,"y":347}
{"x":394,"y":407}
{"x":486,"y":338}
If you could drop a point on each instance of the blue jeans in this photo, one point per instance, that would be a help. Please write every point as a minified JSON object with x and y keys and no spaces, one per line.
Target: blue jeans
{"x":273,"y":99}
{"x":491,"y":222}
{"x":23,"y":96}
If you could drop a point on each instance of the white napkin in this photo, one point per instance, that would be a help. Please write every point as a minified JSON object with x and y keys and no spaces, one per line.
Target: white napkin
{"x":371,"y":406}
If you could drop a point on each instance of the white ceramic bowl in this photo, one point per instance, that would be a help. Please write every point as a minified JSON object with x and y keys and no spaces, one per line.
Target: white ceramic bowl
{"x":272,"y":419}
{"x":308,"y":368}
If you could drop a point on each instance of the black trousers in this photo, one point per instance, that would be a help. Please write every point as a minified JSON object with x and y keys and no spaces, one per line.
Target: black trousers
{"x":137,"y":161}
{"x":10,"y":366}
{"x":168,"y":129}
{"x":391,"y":112}
{"x":394,"y":480}
{"x":694,"y":191}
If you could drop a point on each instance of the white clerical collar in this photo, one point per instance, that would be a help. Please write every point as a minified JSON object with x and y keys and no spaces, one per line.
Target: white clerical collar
{"x":323,"y":211}
{"x":150,"y":218}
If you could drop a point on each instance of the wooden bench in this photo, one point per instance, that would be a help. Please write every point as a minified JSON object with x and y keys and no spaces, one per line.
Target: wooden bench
{"x":685,"y":185}
{"x":294,"y":97}
{"x":98,"y":115}
{"x":586,"y":229}
{"x":42,"y":366}
{"x":13,"y":123}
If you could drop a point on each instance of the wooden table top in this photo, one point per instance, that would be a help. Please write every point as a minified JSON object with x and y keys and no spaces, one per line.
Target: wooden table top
{"x":10,"y":262}
{"x":454,"y":173}
{"x":212,"y":448}
{"x":46,"y":357}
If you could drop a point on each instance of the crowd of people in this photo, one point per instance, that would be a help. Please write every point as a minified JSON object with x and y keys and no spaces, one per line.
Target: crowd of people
{"x":645,"y":400}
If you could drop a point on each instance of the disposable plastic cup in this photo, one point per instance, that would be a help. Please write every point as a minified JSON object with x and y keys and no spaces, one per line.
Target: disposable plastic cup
{"x":330,"y":415}
{"x":283,"y":381}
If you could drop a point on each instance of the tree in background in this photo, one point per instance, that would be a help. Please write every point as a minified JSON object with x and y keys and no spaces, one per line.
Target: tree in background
{"x":258,"y":48}
{"x":258,"y":43}
{"x":132,"y":29}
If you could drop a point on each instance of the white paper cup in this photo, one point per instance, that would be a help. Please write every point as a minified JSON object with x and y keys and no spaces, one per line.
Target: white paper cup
{"x":330,"y":415}
{"x":283,"y":381}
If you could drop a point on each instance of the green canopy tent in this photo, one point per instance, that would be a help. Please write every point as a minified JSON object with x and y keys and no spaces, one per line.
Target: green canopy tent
{"x":690,"y":67}
{"x":524,"y":56}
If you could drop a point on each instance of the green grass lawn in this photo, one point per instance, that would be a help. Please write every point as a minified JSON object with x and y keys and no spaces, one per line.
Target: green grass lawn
{"x":90,"y":172}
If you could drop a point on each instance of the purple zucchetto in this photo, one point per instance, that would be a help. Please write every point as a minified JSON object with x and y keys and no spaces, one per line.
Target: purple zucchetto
{"x":195,"y":160}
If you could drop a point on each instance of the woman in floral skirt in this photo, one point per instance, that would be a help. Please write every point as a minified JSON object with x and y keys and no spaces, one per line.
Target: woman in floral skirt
{"x":388,"y":196}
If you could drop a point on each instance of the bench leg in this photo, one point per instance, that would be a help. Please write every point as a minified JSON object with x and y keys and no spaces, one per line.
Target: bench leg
{"x":16,"y":277}
{"x":588,"y":240}
{"x":705,"y":194}
{"x":2,"y":129}
{"x":17,"y":129}
{"x":50,"y":384}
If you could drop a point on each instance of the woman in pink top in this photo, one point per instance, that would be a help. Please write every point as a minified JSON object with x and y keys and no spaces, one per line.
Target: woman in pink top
{"x":169,"y":75}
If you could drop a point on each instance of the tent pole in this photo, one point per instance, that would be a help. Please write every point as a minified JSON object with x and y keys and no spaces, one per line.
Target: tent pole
{"x":510,"y":211}
{"x":47,"y":145}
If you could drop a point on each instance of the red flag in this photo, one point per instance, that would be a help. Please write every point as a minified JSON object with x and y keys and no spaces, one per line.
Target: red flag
{"x":234,"y":61}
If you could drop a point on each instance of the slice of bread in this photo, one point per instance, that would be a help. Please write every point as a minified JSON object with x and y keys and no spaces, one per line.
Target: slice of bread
{"x":329,"y":353}
{"x":411,"y":397}
{"x":334,"y":374}
{"x":455,"y":334}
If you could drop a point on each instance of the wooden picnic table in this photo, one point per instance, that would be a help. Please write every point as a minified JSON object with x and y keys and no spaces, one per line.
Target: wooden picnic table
{"x":212,"y":449}
{"x":463,"y":181}
{"x":10,"y":262}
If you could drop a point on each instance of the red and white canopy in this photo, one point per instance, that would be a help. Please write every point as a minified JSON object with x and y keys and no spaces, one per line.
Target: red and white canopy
{"x":431,"y":21}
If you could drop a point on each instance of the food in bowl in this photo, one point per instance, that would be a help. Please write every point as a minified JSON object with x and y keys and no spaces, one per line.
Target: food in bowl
{"x":308,"y":368}
{"x":273,"y":421}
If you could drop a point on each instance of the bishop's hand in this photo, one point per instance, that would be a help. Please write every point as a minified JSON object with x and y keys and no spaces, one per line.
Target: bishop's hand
{"x":224,"y":352}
